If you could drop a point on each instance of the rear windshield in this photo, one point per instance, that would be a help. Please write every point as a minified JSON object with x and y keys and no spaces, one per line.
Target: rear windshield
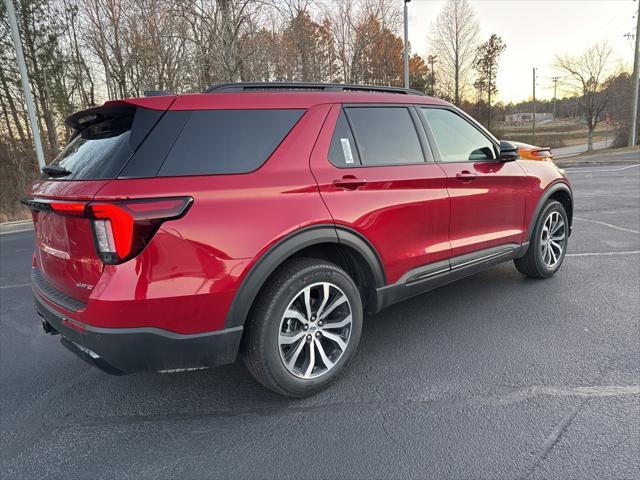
{"x":101,"y":150}
{"x":147,"y":143}
{"x":227,"y":141}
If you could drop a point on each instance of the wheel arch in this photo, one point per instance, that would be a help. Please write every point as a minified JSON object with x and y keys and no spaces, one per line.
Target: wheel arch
{"x":340,"y":245}
{"x":558,"y":191}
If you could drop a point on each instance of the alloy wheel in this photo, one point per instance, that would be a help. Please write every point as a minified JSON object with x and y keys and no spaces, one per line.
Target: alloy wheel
{"x":315,"y":330}
{"x":553,"y":239}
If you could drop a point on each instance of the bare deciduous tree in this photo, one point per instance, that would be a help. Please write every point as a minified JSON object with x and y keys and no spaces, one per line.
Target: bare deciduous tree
{"x":454,"y":39}
{"x":588,"y":75}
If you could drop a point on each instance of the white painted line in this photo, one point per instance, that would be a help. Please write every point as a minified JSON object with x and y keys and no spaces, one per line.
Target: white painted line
{"x":590,"y":391}
{"x":607,"y":225}
{"x":595,"y":254}
{"x":569,"y":170}
{"x":17,"y":285}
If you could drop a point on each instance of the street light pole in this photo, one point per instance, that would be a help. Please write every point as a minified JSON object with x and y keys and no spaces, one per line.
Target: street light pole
{"x":633,"y":128}
{"x":406,"y":44}
{"x":17,"y":44}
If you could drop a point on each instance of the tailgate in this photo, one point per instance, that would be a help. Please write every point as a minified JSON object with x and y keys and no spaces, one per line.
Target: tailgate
{"x":65,"y":251}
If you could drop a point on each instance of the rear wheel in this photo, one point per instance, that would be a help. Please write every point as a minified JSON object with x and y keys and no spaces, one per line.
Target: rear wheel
{"x":305,"y":328}
{"x":548,"y":243}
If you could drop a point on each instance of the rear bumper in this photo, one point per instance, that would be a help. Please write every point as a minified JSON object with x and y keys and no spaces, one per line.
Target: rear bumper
{"x":129,"y":350}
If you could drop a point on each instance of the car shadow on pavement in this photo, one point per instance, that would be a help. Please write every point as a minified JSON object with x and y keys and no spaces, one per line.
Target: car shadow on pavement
{"x":408,"y":334}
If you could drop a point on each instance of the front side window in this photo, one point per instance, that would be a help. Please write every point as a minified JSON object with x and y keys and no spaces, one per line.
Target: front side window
{"x":457,"y":139}
{"x":385,"y":135}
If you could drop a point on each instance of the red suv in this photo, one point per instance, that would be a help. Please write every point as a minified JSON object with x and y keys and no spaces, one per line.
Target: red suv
{"x":175,"y":231}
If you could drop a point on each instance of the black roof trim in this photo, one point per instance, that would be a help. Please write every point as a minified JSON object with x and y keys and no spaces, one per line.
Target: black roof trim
{"x":158,"y":93}
{"x":323,"y":87}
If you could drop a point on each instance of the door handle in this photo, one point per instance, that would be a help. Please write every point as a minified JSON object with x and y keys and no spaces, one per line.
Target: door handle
{"x":349,"y":182}
{"x":465,"y":175}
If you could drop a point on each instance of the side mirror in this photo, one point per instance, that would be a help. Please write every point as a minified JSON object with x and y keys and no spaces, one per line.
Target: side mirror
{"x":508,"y":152}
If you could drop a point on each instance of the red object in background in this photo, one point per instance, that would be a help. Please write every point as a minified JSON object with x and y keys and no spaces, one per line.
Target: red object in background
{"x":178,"y":264}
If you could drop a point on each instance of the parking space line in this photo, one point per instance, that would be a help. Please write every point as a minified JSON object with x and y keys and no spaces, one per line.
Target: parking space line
{"x":603,"y":169}
{"x":17,"y":285}
{"x":595,"y":254}
{"x":607,"y":225}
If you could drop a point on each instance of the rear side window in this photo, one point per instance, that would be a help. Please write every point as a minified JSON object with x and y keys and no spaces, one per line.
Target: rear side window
{"x":101,"y":149}
{"x":227,"y":141}
{"x":457,"y":139}
{"x":385,"y":135}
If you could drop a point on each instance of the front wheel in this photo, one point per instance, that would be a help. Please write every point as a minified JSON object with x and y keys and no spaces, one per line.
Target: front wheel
{"x":548,"y":243}
{"x":305,"y":328}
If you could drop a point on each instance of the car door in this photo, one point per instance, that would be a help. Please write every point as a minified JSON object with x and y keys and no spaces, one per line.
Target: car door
{"x":487,"y":195}
{"x":377,"y":176}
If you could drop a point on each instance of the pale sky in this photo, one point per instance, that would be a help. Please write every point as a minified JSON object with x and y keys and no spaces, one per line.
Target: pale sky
{"x":535,"y":31}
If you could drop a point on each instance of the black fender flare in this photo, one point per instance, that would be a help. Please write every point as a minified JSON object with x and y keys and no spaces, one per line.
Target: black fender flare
{"x":556,"y":187}
{"x":289,"y":245}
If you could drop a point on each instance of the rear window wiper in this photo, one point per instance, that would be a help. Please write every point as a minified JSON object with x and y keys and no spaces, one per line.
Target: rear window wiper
{"x":56,"y":171}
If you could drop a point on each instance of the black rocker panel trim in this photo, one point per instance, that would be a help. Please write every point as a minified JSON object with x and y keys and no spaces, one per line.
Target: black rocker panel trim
{"x":435,"y":275}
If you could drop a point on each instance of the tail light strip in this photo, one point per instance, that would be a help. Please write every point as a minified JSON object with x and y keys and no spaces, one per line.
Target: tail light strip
{"x":121,"y":229}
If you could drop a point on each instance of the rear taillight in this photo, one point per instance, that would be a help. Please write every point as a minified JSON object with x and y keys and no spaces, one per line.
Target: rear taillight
{"x":70,"y":209}
{"x":122,"y":229}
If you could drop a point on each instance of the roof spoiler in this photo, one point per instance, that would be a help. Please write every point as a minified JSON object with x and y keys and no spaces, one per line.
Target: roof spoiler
{"x":118,"y":108}
{"x":85,"y":118}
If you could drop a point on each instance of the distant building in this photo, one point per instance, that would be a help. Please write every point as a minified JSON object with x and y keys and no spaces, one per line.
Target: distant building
{"x":527,"y":117}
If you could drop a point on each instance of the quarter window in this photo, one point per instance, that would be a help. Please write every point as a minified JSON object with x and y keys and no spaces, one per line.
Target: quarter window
{"x":385,"y":135}
{"x":227,"y":141}
{"x":343,"y":152}
{"x":457,"y":139}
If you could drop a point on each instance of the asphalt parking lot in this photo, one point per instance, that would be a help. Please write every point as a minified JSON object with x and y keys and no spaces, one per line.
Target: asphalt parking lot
{"x":495,"y":376}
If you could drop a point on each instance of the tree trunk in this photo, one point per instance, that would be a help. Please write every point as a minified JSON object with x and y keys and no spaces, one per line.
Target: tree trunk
{"x":590,"y":139}
{"x":5,"y":113}
{"x":12,"y":106}
{"x":39,"y":83}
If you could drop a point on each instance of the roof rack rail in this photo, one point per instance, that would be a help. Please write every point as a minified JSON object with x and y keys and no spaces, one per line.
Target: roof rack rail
{"x":323,"y":87}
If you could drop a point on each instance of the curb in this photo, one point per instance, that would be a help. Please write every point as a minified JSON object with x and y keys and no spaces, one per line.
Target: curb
{"x":594,"y":163}
{"x":15,"y":227}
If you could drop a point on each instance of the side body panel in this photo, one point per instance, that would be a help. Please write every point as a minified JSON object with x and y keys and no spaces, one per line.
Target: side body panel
{"x":542,"y":177}
{"x":402,"y":210}
{"x":487,"y":204}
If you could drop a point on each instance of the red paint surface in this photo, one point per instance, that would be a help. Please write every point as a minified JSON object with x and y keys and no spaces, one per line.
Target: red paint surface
{"x":187,"y":275}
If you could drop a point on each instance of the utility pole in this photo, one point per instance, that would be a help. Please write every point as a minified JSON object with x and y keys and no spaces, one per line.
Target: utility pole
{"x":31,"y":110}
{"x":555,"y":87}
{"x":533,"y":131}
{"x":635,"y":85}
{"x":431,"y":59}
{"x":406,"y":43}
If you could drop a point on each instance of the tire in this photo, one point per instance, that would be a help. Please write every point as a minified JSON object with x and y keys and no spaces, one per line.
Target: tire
{"x":546,"y":254}
{"x":277,"y":347}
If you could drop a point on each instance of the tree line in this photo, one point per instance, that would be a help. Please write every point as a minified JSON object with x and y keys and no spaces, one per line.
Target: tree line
{"x":80,"y":53}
